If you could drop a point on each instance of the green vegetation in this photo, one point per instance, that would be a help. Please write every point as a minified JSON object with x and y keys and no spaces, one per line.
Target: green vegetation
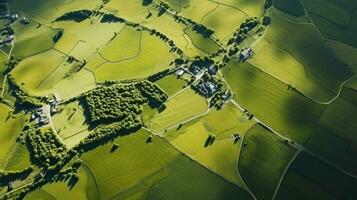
{"x":285,"y":110}
{"x":291,"y":7}
{"x":171,"y":84}
{"x":316,"y":180}
{"x":222,"y":156}
{"x":263,"y":160}
{"x":183,"y":106}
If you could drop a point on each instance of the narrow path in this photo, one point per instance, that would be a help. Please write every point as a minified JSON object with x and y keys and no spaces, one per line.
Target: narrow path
{"x":284,"y":173}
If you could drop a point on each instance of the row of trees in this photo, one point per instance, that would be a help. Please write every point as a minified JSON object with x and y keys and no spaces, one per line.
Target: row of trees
{"x":23,"y":99}
{"x":242,"y":32}
{"x":10,"y":176}
{"x":77,"y":16}
{"x":105,"y":133}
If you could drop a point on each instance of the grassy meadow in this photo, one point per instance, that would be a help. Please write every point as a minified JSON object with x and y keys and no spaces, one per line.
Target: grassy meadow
{"x":263,"y":160}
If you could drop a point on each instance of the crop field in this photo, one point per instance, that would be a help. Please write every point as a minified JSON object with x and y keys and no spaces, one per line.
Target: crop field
{"x":62,"y":191}
{"x":315,"y":181}
{"x":337,"y":20}
{"x":11,"y":126}
{"x":34,"y":67}
{"x":178,"y":99}
{"x":32,"y":40}
{"x":222,"y":156}
{"x":183,"y":106}
{"x":141,"y":65}
{"x":262,"y":167}
{"x":285,"y":110}
{"x":291,"y":7}
{"x":71,"y":121}
{"x":171,"y":84}
{"x":253,"y":8}
{"x":321,"y":65}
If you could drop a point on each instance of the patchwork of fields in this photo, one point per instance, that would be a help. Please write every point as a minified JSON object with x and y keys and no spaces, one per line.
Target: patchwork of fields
{"x":178,"y":99}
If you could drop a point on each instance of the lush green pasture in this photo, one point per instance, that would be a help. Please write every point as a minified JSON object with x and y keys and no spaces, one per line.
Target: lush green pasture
{"x":70,"y":121}
{"x":189,"y":180}
{"x":349,"y":92}
{"x":263,"y":160}
{"x":171,"y":84}
{"x":82,"y":40}
{"x":336,"y":19}
{"x":83,"y":81}
{"x":10,"y":126}
{"x":44,"y":11}
{"x":165,"y":23}
{"x":130,"y":164}
{"x":3,"y":60}
{"x":287,"y":111}
{"x":180,"y":108}
{"x":136,"y":166}
{"x":340,"y":117}
{"x":224,"y":20}
{"x":253,"y":8}
{"x":31,"y":39}
{"x":332,"y":146}
{"x":309,"y":178}
{"x":291,"y":7}
{"x":33,"y":70}
{"x":206,"y":45}
{"x":308,"y":47}
{"x":198,"y":9}
{"x":154,"y":56}
{"x":125,"y":45}
{"x":282,"y":65}
{"x":20,"y":158}
{"x":222,"y":156}
{"x":83,"y":189}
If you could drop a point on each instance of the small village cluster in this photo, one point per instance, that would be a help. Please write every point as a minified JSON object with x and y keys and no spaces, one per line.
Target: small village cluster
{"x":42,"y":115}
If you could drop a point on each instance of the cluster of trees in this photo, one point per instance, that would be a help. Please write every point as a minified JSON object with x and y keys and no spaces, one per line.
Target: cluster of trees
{"x":268,"y":4}
{"x":243,"y":31}
{"x":23,"y":99}
{"x":10,"y":176}
{"x":111,"y":103}
{"x":57,"y":36}
{"x":217,"y":99}
{"x":153,"y":94}
{"x":105,"y":133}
{"x":77,"y":16}
{"x":44,"y":147}
{"x":210,"y":139}
{"x":110,"y":18}
{"x":203,"y":30}
{"x":147,"y":2}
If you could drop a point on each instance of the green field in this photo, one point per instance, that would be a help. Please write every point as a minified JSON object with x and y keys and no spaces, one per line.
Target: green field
{"x":182,"y":107}
{"x":222,"y":156}
{"x":40,"y":66}
{"x":263,"y":161}
{"x":71,"y":121}
{"x":142,"y":65}
{"x":312,"y":59}
{"x":291,"y":7}
{"x":316,"y":180}
{"x":31,"y":39}
{"x":83,"y":189}
{"x":11,"y":126}
{"x":171,"y":84}
{"x":287,"y":111}
{"x":158,"y":163}
{"x":336,"y":19}
{"x":206,"y":45}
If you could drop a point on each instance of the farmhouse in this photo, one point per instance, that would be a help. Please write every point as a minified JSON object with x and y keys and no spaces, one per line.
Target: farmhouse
{"x":40,"y":116}
{"x":213,"y":70}
{"x":180,"y":72}
{"x":245,"y":54}
{"x":8,"y":39}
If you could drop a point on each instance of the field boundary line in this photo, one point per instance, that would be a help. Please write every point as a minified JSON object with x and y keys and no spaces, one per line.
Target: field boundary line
{"x":284,"y":172}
